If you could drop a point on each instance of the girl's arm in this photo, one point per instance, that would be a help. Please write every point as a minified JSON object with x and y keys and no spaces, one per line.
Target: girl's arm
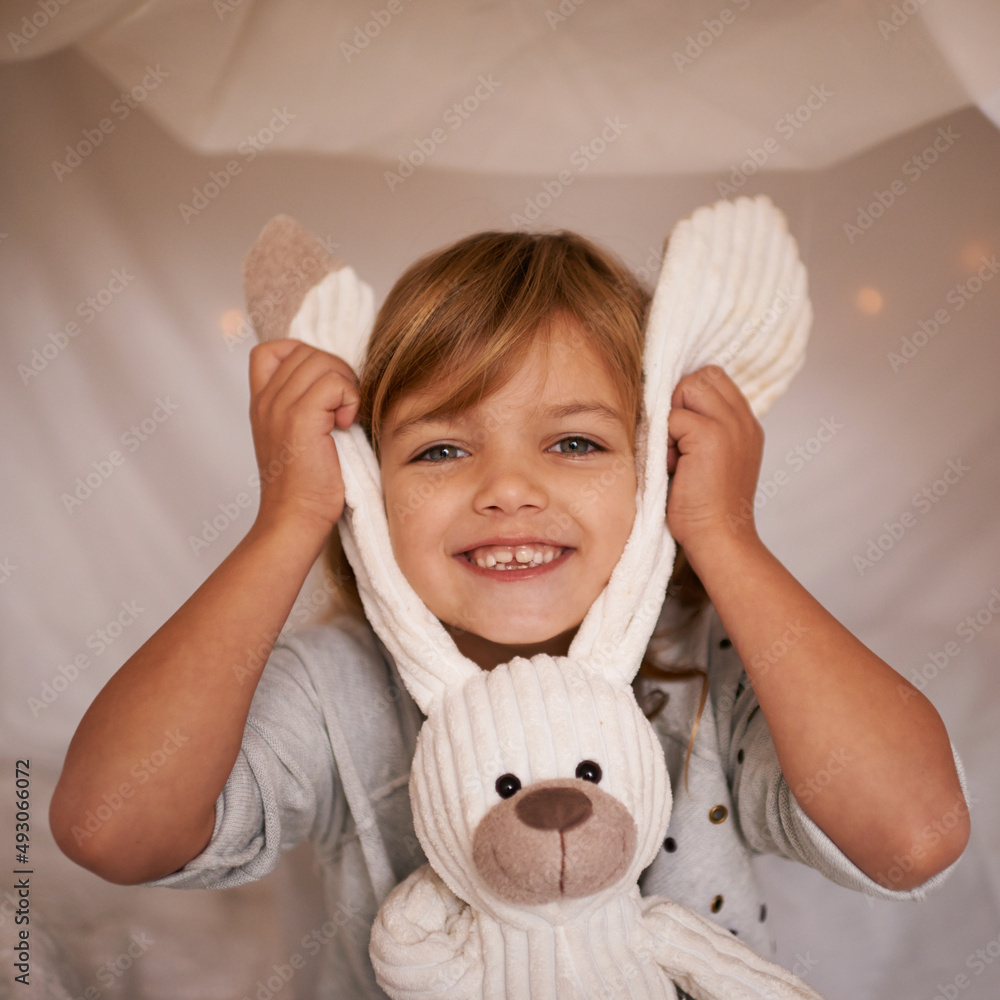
{"x":865,"y":753}
{"x":136,"y":798}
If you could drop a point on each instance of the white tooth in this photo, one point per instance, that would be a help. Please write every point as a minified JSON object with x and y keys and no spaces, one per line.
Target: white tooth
{"x":524,"y":554}
{"x":505,"y":556}
{"x":481,"y":562}
{"x":549,"y":556}
{"x":537,"y":559}
{"x":489,"y":562}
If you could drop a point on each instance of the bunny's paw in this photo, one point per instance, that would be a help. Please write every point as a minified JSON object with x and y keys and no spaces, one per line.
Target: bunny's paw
{"x":425,"y":942}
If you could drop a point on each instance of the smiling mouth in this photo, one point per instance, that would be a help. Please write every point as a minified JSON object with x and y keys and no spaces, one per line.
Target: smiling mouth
{"x":513,"y":558}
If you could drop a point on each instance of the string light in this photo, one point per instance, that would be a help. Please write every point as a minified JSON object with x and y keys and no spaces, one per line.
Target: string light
{"x":973,"y":252}
{"x":869,"y":301}
{"x":232,"y":323}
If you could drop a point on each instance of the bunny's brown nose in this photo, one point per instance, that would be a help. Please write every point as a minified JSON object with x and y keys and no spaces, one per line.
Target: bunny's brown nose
{"x":554,"y":809}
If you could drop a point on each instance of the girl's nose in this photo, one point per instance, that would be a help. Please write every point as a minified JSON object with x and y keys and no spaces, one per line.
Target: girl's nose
{"x":508,"y":485}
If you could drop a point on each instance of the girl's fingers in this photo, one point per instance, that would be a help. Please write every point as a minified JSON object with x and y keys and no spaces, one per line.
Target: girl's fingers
{"x":267,"y":358}
{"x":708,"y":390}
{"x":683,"y":422}
{"x":712,"y":395}
{"x":322,"y":377}
{"x":290,"y":370}
{"x":683,"y":425}
{"x":333,"y":394}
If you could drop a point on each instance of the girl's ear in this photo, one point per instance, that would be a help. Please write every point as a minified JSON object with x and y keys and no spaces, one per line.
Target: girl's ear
{"x":732,"y":292}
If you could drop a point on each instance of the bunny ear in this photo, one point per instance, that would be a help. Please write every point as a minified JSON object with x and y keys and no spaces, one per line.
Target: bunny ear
{"x":428,"y":659}
{"x":294,"y":288}
{"x":732,"y":292}
{"x":283,"y":264}
{"x":754,"y":314}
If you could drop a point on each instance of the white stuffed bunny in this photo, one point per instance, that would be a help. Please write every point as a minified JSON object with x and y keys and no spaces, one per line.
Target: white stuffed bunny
{"x":539,"y":790}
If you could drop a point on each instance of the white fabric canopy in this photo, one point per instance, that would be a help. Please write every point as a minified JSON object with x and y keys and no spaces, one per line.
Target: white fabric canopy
{"x":521,"y":86}
{"x":125,"y":366}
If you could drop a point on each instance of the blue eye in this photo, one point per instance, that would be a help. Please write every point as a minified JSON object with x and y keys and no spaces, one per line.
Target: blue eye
{"x":576,"y":445}
{"x":439,"y":453}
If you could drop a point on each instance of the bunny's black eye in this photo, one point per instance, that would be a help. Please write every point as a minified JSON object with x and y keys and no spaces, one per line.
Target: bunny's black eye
{"x":587,"y":770}
{"x":508,"y":785}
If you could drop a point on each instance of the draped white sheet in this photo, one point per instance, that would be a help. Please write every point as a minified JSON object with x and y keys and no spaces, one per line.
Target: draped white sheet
{"x":117,"y":246}
{"x":525,"y":81}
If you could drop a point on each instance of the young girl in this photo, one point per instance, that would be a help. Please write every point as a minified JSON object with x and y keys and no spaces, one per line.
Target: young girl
{"x":501,"y":392}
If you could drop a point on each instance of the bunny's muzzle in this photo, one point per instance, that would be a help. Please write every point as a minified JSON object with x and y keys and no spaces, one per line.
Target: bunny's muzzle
{"x":563,"y":838}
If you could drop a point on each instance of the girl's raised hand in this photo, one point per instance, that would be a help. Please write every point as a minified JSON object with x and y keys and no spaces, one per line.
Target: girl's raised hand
{"x":298,"y":394}
{"x":714,"y":451}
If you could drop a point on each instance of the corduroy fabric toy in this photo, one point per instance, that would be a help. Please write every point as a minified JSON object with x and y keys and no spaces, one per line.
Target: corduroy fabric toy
{"x":539,"y":790}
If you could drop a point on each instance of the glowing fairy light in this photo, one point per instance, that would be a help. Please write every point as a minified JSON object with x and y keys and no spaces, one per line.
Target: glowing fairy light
{"x":869,"y":301}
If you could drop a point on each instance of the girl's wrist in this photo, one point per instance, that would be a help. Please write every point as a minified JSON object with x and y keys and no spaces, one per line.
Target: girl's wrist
{"x":293,"y":533}
{"x":724,"y":551}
